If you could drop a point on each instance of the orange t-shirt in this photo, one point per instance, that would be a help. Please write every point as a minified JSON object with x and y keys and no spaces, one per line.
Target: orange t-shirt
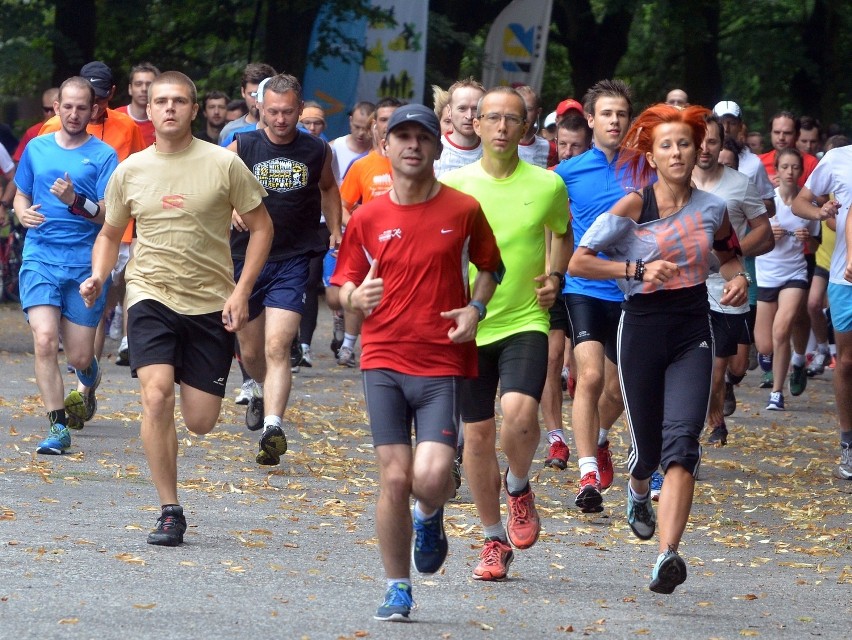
{"x":367,"y":178}
{"x":809,"y":163}
{"x":146,"y":127}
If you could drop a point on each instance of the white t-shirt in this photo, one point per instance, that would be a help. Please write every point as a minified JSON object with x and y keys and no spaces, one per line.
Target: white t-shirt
{"x":455,"y":157}
{"x":833,"y":174}
{"x":6,"y":164}
{"x":751,"y":165}
{"x":786,"y":261}
{"x":342,"y":156}
{"x":744,"y":204}
{"x":536,"y":152}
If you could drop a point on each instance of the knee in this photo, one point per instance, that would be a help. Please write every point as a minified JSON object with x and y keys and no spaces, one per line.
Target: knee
{"x":45,"y":344}
{"x":158,"y":400}
{"x":479,"y":439}
{"x":684,"y":451}
{"x":590,"y":380}
{"x":78,"y":359}
{"x":396,"y":482}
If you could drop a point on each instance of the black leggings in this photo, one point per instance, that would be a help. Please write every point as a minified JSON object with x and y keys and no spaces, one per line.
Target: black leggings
{"x":665,"y":365}
{"x":309,"y":318}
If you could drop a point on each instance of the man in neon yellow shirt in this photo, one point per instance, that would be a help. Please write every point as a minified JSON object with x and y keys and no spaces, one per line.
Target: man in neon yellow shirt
{"x":520,"y":202}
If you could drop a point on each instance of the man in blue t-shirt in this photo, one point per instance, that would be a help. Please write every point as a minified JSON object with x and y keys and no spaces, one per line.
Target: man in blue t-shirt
{"x":594,"y":306}
{"x":61,"y":183}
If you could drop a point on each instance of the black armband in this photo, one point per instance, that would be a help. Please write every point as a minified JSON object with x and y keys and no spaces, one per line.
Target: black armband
{"x":730,"y":243}
{"x":84,"y":207}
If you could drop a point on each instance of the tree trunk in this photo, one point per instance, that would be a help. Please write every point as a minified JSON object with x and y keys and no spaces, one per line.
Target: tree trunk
{"x":74,"y":39}
{"x":699,"y":23}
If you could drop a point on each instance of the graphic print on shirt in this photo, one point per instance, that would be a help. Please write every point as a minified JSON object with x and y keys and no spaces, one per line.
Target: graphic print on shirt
{"x":281,"y":174}
{"x":685,"y":243}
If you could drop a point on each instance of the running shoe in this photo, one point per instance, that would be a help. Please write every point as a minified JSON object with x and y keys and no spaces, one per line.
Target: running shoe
{"x":346,"y":357}
{"x":557,"y":456}
{"x":57,"y":442}
{"x":768,"y":380}
{"x":273,"y":445}
{"x":255,"y":410}
{"x":337,"y":332}
{"x":669,"y":572}
{"x":123,"y":359}
{"x":430,"y":543}
{"x":494,"y":560}
{"x":523,"y":525}
{"x":397,"y":605}
{"x":798,"y":380}
{"x":89,"y":397}
{"x":845,"y":468}
{"x":171,"y":525}
{"x":818,"y":364}
{"x":75,"y":410}
{"x":564,"y":378}
{"x":656,"y":485}
{"x":245,"y":393}
{"x":719,"y":435}
{"x":606,"y":473}
{"x":640,"y":516}
{"x":572,"y":387}
{"x":307,"y":358}
{"x":295,"y":355}
{"x":765,"y":362}
{"x":730,"y":404}
{"x":776,"y":401}
{"x":589,"y":498}
{"x":116,"y":327}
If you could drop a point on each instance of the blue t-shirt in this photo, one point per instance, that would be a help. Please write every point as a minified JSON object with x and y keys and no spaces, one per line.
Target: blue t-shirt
{"x":593,"y":188}
{"x":63,"y":238}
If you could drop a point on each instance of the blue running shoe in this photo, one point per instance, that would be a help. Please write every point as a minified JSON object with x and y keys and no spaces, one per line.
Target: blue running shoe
{"x":656,"y":485}
{"x":669,"y":572}
{"x":776,"y":401}
{"x":430,"y":543}
{"x":397,"y":605}
{"x":640,"y":516}
{"x":57,"y":441}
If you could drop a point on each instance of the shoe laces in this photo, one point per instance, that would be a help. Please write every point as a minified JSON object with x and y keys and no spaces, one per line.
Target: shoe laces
{"x":397,"y":596}
{"x":492,"y":552}
{"x":589,"y":479}
{"x":558,"y":449}
{"x":167,"y":521}
{"x":521,"y":507}
{"x":641,"y":509}
{"x":428,"y":534}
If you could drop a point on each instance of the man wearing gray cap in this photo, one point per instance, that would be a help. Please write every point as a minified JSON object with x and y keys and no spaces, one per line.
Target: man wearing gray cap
{"x":404,"y":265}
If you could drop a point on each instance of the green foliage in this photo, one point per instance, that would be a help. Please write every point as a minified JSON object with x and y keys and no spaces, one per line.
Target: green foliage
{"x":25,"y":46}
{"x":556,"y":85}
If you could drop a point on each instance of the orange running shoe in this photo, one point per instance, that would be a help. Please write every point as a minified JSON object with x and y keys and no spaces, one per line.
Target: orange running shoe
{"x":523,"y":525}
{"x":605,"y":471}
{"x":557,"y":456}
{"x":494,"y":560}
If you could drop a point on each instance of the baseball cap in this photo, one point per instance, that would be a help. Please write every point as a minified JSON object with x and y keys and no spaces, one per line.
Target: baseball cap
{"x":567,"y":105}
{"x":424,"y":116}
{"x":260,"y":89}
{"x":550,"y":119}
{"x":100,"y":77}
{"x":727,"y":108}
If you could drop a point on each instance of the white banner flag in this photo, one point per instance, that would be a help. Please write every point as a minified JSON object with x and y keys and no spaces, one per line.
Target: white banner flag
{"x":396,"y":55}
{"x":516,"y":45}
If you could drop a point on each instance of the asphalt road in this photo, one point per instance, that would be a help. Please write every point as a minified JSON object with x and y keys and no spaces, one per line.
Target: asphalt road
{"x":291,"y":552}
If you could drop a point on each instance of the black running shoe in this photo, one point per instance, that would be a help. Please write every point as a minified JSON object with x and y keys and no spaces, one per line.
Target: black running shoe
{"x":719,"y":435}
{"x":273,"y":445}
{"x":669,"y":572}
{"x":254,"y":412}
{"x":171,"y":525}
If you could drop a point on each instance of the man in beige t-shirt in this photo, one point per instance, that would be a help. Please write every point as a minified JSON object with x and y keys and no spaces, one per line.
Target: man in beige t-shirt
{"x":183,"y":306}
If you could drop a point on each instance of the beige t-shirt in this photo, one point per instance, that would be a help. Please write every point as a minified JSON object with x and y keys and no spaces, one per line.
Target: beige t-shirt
{"x":182,"y":205}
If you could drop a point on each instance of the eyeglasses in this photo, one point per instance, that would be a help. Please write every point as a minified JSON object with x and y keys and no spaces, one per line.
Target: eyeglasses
{"x":47,"y":109}
{"x":253,"y":94}
{"x":494,"y":118}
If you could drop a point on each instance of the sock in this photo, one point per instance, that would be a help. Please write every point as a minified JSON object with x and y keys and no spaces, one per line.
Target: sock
{"x":271,"y":421}
{"x":556,"y":434}
{"x":498,"y":531}
{"x":420,"y":515}
{"x":349,"y":340}
{"x":603,"y":436}
{"x":846,"y":438}
{"x":514,"y":484}
{"x":823,"y":347}
{"x":587,"y":465}
{"x":89,"y":375}
{"x":765,"y":363}
{"x":58,"y":417}
{"x":730,"y":377}
{"x":636,"y":496}
{"x":305,"y":347}
{"x":798,"y":360}
{"x":394,"y":581}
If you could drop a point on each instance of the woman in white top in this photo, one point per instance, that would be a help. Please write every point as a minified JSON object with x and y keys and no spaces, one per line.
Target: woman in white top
{"x":782,"y":282}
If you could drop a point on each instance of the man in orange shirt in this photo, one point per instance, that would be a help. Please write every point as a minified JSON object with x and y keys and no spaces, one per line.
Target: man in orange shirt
{"x":783,"y":132}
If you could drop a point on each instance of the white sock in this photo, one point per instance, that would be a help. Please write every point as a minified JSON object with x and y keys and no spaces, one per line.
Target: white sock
{"x":823,"y":347}
{"x":420,"y":515}
{"x":556,"y":434}
{"x":271,"y":421}
{"x":636,"y":496}
{"x":587,"y":465}
{"x":798,"y":359}
{"x":495,"y":531}
{"x":514,"y":484}
{"x":305,"y":347}
{"x":349,"y":340}
{"x":603,"y":436}
{"x":393,"y":581}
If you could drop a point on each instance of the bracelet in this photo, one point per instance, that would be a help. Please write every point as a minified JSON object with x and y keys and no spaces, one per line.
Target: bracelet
{"x":639,"y":275}
{"x":627,"y":269}
{"x":744,"y":275}
{"x":480,"y":308}
{"x":560,"y":276}
{"x":84,"y":207}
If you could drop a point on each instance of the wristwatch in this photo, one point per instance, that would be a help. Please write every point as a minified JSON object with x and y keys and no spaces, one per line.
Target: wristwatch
{"x":561,"y":277}
{"x":476,"y":304}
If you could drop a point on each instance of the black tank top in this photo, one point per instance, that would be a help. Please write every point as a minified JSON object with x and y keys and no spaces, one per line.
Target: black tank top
{"x":290,"y":173}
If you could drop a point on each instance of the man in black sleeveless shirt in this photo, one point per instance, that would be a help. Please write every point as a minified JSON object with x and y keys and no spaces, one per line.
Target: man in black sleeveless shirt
{"x":295,"y":169}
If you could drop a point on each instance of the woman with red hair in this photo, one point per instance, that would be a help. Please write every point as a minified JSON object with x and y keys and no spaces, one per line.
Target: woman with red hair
{"x":661,"y":242}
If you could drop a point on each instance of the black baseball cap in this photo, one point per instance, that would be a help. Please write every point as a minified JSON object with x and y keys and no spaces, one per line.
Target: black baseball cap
{"x":418,"y":113}
{"x":99,"y":76}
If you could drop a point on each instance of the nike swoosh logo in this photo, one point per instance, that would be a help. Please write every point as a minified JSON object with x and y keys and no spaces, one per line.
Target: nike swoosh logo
{"x":446,"y":230}
{"x":410,"y":115}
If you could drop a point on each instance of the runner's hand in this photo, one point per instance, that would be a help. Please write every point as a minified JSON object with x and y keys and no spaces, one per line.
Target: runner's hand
{"x":30,"y":217}
{"x":368,"y":294}
{"x":90,"y":290}
{"x":466,"y":319}
{"x":547,"y":291}
{"x":237,"y":222}
{"x":64,"y":190}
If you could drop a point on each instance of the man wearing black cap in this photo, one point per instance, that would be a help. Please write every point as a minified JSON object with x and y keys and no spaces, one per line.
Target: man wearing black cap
{"x":403,"y":264}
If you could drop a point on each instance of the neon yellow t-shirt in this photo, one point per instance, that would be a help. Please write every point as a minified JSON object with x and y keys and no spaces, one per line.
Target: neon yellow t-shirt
{"x":518,"y":208}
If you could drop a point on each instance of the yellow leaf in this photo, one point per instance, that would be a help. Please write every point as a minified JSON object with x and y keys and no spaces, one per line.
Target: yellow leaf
{"x":69,"y":621}
{"x":748,"y":632}
{"x":144,"y":606}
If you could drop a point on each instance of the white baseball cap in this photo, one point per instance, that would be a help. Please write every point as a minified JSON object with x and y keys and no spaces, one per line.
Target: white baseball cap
{"x":550,"y":119}
{"x":727,"y":108}
{"x":260,"y":89}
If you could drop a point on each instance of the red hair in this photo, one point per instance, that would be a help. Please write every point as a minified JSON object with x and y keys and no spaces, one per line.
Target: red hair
{"x":640,"y":138}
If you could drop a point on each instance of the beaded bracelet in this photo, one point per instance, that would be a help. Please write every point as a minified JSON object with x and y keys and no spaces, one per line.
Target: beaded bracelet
{"x":627,"y":269}
{"x":639,"y":275}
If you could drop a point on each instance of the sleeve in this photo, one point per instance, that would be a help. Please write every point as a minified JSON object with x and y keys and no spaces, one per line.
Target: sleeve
{"x":752,"y":204}
{"x":246,"y":193}
{"x":117,"y":208}
{"x":6,"y":164}
{"x":763,"y":184}
{"x":484,"y":253}
{"x":557,"y":220}
{"x":352,"y":263}
{"x":350,"y":188}
{"x":821,"y":181}
{"x":606,"y":231}
{"x":24,"y":175}
{"x":107,"y":169}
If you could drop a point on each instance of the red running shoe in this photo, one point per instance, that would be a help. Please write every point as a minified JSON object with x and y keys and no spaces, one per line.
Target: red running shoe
{"x":605,"y":471}
{"x":558,"y":455}
{"x":494,"y":560}
{"x":589,"y":498}
{"x":523,"y":525}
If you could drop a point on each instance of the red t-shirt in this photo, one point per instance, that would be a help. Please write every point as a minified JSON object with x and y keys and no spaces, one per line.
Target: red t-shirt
{"x":146,"y":127}
{"x":29,"y":134}
{"x":809,"y":163}
{"x":423,"y":251}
